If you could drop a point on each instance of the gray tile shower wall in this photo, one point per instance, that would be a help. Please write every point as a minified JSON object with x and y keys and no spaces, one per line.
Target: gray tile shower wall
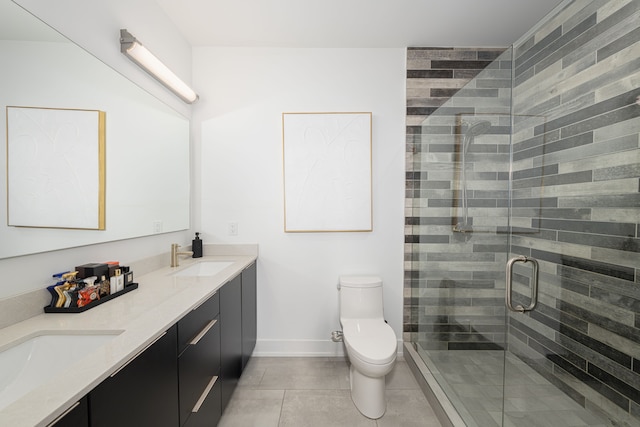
{"x":576,"y":201}
{"x":454,"y":284}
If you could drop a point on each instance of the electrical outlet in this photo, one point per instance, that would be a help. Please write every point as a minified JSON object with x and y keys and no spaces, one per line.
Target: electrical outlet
{"x":233,"y":228}
{"x":157,"y":226}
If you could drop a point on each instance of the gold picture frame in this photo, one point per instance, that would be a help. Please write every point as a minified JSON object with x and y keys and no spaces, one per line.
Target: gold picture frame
{"x":327,"y":172}
{"x":56,"y":168}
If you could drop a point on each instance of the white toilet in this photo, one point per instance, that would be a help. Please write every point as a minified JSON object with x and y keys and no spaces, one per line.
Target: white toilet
{"x":370,"y":342}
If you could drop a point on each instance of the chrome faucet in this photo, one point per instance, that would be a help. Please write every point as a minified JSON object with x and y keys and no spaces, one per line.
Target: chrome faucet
{"x":175,"y":252}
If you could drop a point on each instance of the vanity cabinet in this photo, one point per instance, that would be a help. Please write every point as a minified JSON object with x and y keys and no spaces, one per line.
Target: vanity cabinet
{"x":199,"y":365}
{"x":142,"y":393}
{"x":249,"y":312}
{"x":76,"y":416}
{"x":187,"y":376}
{"x":238,"y":328}
{"x":230,"y":337}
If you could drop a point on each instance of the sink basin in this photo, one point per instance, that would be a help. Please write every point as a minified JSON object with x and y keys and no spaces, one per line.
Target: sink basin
{"x":25,"y":366}
{"x":204,"y":268}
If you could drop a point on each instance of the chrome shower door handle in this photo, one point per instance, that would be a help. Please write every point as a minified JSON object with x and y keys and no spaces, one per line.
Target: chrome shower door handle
{"x":534,"y":284}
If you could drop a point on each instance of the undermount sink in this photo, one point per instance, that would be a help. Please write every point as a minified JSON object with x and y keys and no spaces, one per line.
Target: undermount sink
{"x":31,"y":363}
{"x":204,"y":268}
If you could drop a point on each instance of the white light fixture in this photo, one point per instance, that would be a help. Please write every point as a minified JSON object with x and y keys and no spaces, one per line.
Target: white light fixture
{"x":135,"y":51}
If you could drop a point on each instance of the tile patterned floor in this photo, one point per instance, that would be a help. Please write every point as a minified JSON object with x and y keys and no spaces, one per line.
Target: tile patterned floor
{"x":473,"y":382}
{"x":314,"y":392}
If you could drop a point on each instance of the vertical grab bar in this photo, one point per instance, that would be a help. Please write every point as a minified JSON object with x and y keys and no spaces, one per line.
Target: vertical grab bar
{"x":534,"y":284}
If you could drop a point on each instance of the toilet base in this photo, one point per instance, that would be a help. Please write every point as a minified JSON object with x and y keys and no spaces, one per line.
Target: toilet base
{"x":368,"y":394}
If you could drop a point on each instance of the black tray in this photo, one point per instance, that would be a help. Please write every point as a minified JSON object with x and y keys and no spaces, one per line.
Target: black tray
{"x":127,"y":288}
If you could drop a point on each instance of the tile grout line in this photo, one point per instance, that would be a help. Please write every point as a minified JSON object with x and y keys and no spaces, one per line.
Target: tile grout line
{"x":284,"y":396}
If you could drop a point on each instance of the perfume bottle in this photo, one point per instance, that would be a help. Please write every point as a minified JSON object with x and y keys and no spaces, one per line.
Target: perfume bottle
{"x":104,"y":286}
{"x":117,"y":282}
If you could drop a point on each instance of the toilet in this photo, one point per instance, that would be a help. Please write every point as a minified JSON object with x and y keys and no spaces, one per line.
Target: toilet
{"x":370,"y":342}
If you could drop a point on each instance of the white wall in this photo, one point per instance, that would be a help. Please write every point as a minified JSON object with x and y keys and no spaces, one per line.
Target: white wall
{"x":98,"y":31}
{"x":237,"y":127}
{"x":238,"y":139}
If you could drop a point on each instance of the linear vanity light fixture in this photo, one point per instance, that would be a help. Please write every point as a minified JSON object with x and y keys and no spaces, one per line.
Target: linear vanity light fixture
{"x":146,"y":60}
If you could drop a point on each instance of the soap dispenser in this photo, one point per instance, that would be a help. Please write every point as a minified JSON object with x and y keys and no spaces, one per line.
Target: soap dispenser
{"x":196,"y":246}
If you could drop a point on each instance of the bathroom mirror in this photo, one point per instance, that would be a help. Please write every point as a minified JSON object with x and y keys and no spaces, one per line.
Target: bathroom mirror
{"x":146,"y":141}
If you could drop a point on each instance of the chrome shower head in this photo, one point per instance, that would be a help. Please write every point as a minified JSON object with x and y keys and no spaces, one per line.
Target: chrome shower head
{"x":478,"y":128}
{"x":473,"y":130}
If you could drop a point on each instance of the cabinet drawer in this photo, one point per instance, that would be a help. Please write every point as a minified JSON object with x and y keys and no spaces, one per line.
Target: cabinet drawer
{"x":143,"y":393}
{"x":76,"y":416}
{"x":210,"y":412}
{"x":196,"y":320}
{"x":196,"y":367}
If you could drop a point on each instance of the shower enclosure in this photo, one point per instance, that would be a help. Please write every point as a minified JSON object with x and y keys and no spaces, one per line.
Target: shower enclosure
{"x":523,"y":218}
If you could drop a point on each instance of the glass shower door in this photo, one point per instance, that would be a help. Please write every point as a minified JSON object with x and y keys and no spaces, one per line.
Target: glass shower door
{"x":460,"y":233}
{"x":575,"y":208}
{"x":570,"y":346}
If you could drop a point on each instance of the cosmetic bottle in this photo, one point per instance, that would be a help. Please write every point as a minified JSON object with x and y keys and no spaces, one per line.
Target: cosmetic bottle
{"x":88,"y":294}
{"x":127,"y":274}
{"x":112,"y":284}
{"x":105,"y":286}
{"x":117,"y":282}
{"x":196,"y":246}
{"x":57,"y":281}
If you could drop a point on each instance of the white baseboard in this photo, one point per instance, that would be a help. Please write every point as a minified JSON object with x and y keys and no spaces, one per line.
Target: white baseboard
{"x":303,"y":348}
{"x":298,"y":348}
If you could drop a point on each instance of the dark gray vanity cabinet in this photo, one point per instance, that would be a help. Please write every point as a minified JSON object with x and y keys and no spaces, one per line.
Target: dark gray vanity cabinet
{"x":76,"y":416}
{"x":199,"y":365}
{"x":230,"y":337}
{"x":249,"y":312}
{"x":142,"y":393}
{"x":187,"y":376}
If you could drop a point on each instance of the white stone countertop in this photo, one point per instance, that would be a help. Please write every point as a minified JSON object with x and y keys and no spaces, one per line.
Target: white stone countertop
{"x":137,"y":317}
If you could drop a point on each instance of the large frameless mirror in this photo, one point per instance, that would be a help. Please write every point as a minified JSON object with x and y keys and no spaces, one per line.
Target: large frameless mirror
{"x":146,"y":141}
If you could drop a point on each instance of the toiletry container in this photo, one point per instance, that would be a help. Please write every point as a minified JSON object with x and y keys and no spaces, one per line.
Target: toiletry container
{"x":196,"y":246}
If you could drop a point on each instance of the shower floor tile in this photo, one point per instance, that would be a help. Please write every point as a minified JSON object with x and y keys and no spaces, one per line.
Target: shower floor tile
{"x":473,"y":382}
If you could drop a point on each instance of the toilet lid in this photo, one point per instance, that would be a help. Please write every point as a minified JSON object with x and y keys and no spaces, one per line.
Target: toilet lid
{"x":373,"y":341}
{"x":360,"y":281}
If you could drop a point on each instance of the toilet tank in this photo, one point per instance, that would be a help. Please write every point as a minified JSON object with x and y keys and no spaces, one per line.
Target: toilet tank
{"x":361,"y":297}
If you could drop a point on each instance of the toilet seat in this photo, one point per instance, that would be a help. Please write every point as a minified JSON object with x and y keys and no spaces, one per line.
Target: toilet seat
{"x":372,"y":340}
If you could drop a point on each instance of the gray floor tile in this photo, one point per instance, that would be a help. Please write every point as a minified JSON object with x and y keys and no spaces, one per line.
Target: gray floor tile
{"x":321,"y":408}
{"x":253,"y":408}
{"x":309,"y":392}
{"x":400,"y":378}
{"x":301,"y":373}
{"x":407,"y":408}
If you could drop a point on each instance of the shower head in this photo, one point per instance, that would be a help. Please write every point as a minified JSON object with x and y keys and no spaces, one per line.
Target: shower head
{"x":478,"y":128}
{"x":473,"y":130}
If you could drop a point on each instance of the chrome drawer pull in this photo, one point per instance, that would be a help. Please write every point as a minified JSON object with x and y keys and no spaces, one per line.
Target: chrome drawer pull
{"x":202,"y":333}
{"x":205,"y":394}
